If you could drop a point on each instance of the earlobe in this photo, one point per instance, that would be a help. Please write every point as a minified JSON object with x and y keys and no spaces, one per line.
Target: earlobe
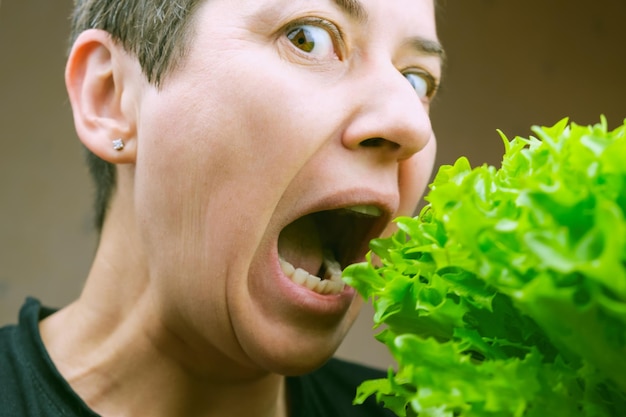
{"x":98,"y":77}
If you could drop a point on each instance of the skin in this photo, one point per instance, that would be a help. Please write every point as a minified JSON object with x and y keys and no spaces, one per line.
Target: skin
{"x":185,"y":310}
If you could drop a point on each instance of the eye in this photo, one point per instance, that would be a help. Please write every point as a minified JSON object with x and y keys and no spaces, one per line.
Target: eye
{"x":314,"y":40}
{"x":423,"y":83}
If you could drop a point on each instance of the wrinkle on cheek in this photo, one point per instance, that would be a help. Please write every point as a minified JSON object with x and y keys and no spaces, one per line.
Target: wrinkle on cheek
{"x":414,"y":175}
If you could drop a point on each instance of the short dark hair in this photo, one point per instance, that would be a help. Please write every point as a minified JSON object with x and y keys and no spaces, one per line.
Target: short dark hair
{"x":156,"y":33}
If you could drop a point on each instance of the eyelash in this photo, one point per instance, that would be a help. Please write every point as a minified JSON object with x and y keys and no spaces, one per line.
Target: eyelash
{"x":339,"y":45}
{"x":335,"y":33}
{"x":431,"y":81}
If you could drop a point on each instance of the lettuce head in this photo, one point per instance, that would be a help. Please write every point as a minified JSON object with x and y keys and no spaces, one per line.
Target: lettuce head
{"x":506,"y":295}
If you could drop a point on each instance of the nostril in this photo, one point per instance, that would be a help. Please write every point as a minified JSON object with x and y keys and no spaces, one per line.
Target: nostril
{"x":372,"y":143}
{"x":378,"y":143}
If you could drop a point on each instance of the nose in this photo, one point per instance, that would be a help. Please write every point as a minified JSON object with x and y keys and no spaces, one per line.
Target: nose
{"x":388,"y":115}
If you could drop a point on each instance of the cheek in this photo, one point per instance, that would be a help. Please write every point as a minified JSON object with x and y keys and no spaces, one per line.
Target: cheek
{"x":414,"y":176}
{"x":211,"y":151}
{"x":355,"y":309}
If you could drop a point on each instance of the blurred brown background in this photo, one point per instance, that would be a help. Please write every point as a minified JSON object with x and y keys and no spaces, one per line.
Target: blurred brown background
{"x":511,"y":64}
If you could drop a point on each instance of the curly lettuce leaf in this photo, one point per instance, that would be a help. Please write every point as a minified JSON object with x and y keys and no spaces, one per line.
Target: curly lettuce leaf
{"x":506,"y":296}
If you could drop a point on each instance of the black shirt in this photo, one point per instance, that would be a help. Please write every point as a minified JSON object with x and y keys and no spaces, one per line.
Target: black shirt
{"x":30,"y":384}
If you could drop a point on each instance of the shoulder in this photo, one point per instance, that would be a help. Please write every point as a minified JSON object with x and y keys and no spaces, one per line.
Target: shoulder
{"x":11,"y":350}
{"x":7,"y":350}
{"x":330,"y":391}
{"x":30,"y":385}
{"x":347,"y":375}
{"x":15,"y":381}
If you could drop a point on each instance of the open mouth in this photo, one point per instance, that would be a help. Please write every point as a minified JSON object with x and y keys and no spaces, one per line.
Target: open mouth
{"x":314,"y":249}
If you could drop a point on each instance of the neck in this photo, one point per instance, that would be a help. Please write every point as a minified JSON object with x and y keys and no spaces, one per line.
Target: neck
{"x":134,"y":367}
{"x":116,"y":351}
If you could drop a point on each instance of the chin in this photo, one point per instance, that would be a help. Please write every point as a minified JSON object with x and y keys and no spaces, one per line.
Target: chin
{"x":296,"y":347}
{"x":293,"y":364}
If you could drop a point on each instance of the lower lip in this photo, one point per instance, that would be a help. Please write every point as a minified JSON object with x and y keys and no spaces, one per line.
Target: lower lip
{"x":310,"y":301}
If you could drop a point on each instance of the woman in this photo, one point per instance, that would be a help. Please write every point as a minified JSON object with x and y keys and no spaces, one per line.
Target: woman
{"x":244,"y":153}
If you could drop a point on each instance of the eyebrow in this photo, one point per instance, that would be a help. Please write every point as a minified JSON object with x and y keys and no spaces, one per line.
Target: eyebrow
{"x":427,"y":47}
{"x":353,"y":8}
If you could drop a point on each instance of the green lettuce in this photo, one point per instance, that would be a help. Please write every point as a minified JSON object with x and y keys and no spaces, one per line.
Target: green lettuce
{"x":506,"y":295}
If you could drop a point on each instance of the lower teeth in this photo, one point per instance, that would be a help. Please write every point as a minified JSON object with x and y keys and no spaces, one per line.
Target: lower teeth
{"x":331,"y":284}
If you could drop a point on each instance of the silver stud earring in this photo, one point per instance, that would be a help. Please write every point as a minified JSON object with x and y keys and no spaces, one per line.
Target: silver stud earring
{"x":118,"y":144}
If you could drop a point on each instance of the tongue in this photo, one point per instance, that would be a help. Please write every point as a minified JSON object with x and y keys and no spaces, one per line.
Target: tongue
{"x":301,"y":246}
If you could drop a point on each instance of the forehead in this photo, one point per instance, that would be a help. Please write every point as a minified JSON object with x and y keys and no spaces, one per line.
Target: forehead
{"x":399,"y":21}
{"x":363,"y":11}
{"x":353,"y":8}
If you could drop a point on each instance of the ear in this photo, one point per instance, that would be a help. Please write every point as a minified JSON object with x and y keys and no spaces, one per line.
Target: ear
{"x":101,"y":80}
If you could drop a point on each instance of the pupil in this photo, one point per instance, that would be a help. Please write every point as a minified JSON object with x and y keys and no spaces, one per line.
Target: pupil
{"x":301,"y":38}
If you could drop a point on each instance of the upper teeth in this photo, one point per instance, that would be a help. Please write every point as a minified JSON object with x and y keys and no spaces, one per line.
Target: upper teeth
{"x":366,"y":209}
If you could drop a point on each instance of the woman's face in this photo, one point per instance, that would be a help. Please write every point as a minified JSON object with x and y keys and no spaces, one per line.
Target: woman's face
{"x":290,"y":136}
